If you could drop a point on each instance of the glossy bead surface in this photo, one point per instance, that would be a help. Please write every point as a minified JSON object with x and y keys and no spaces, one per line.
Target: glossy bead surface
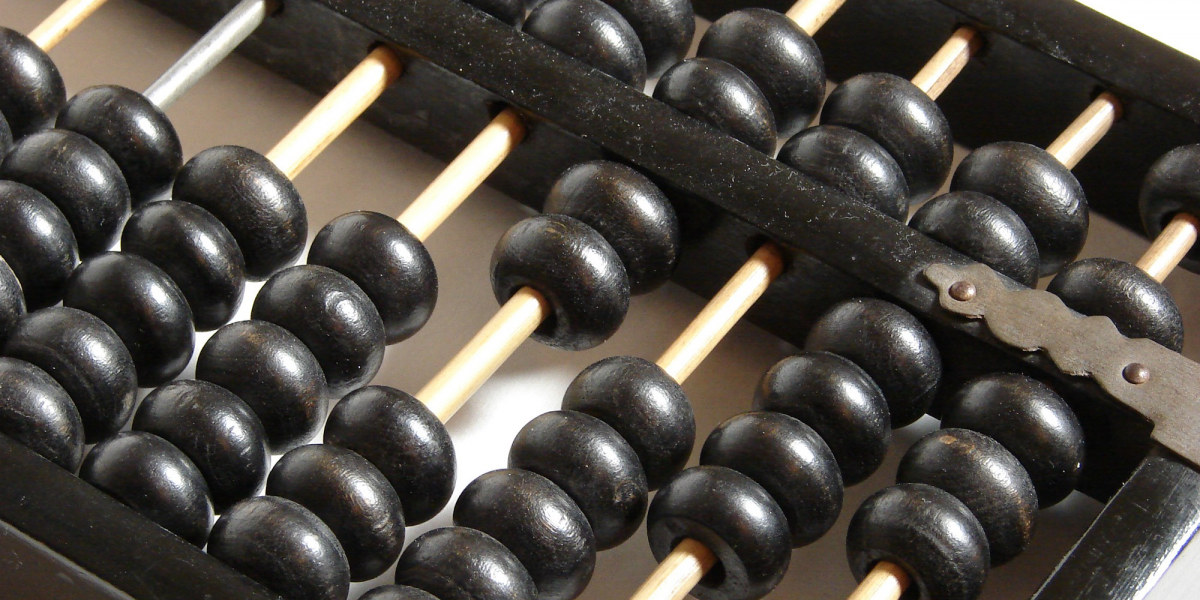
{"x":984,"y":229}
{"x":851,"y":162}
{"x":592,"y":32}
{"x":31,"y":89}
{"x":148,"y":474}
{"x":460,"y":563}
{"x":642,"y":403}
{"x":12,"y":301}
{"x":1138,"y":305}
{"x":253,"y":199}
{"x":388,"y":262}
{"x":664,"y":27}
{"x":1172,"y":186}
{"x":511,"y":12}
{"x":717,"y":93}
{"x":397,"y":592}
{"x":632,"y":214}
{"x":37,"y":412}
{"x":37,"y":243}
{"x":274,"y":373}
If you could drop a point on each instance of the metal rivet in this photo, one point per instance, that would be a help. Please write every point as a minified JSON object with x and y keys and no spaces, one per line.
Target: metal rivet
{"x":963,"y":291}
{"x":1136,"y":373}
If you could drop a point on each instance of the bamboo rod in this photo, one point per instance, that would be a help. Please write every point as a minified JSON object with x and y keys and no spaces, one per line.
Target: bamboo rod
{"x":1170,"y":247}
{"x":1087,"y":129}
{"x":677,"y":574}
{"x":62,"y":21}
{"x":810,"y":15}
{"x":948,"y":62}
{"x":885,"y":582}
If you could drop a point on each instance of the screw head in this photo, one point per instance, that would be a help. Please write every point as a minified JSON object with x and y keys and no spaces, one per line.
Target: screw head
{"x":963,"y":291}
{"x":1136,"y":373}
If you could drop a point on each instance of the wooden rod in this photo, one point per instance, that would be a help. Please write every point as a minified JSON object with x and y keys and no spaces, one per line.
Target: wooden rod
{"x":677,"y":574}
{"x":466,"y":372}
{"x":948,"y":62}
{"x":465,"y":174}
{"x":1086,"y":130}
{"x":810,"y":15}
{"x":62,"y":21}
{"x":1170,"y":247}
{"x":885,"y":582}
{"x":336,"y":111}
{"x":719,"y":315}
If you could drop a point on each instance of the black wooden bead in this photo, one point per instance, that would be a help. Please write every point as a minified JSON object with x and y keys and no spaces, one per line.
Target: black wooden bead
{"x":539,"y":522}
{"x":282,"y":546}
{"x":80,"y":178}
{"x":1138,"y":305}
{"x":839,"y":401}
{"x":1041,"y":190}
{"x":574,"y":268}
{"x":643,"y":404}
{"x":151,"y":476}
{"x":37,"y":412}
{"x":789,"y":460}
{"x":143,"y":306}
{"x":274,"y":373}
{"x":594,"y":33}
{"x":891,"y":345}
{"x":717,"y":93}
{"x":851,"y":162}
{"x":388,"y":262}
{"x":196,"y":250}
{"x":459,"y":563}
{"x":31,"y":89}
{"x":664,"y":27}
{"x":86,"y":358}
{"x":1030,"y":421}
{"x":925,"y":531}
{"x":397,"y":592}
{"x":987,"y":478}
{"x":593,"y":464}
{"x":903,"y":119}
{"x":781,"y":58}
{"x":216,"y":430}
{"x":1172,"y":186}
{"x":406,"y":442}
{"x":37,"y":242}
{"x":629,"y":211}
{"x":984,"y":229}
{"x":332,"y":316}
{"x":134,"y":132}
{"x":351,"y":496}
{"x":511,"y":12}
{"x":251,"y":197}
{"x":732,"y":516}
{"x":12,"y":301}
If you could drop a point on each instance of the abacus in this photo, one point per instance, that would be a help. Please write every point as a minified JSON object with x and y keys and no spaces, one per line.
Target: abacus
{"x":564,"y":128}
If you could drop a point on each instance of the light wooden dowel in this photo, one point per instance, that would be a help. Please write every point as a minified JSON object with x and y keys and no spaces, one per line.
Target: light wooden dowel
{"x":885,"y":582}
{"x":336,"y":111}
{"x":465,"y":174}
{"x":949,"y":61}
{"x":677,"y":574}
{"x":1170,"y":247}
{"x":810,"y":15}
{"x":722,"y":312}
{"x":62,"y":21}
{"x":1086,"y":130}
{"x":466,"y":372}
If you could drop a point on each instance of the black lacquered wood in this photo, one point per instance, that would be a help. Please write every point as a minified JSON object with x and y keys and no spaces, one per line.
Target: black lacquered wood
{"x":851,"y":162}
{"x":592,"y":32}
{"x":397,"y":592}
{"x":510,"y":12}
{"x":1172,"y":186}
{"x":37,"y":412}
{"x":37,"y":243}
{"x":984,"y":229}
{"x":12,"y":301}
{"x":460,"y":563}
{"x":719,"y":94}
{"x":665,"y":28}
{"x":1138,"y":305}
{"x":33,"y":90}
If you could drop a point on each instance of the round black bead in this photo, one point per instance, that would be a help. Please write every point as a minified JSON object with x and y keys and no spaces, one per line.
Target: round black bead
{"x":406,"y":442}
{"x":1041,"y":190}
{"x":984,"y":229}
{"x":717,"y":93}
{"x":350,"y":496}
{"x":271,"y":371}
{"x":781,"y":58}
{"x":851,"y":162}
{"x":593,"y":464}
{"x":80,"y":178}
{"x":629,"y":211}
{"x":12,"y":301}
{"x":37,"y":242}
{"x":511,"y":12}
{"x":642,"y":403}
{"x":134,"y":132}
{"x":1138,"y":305}
{"x":151,"y":476}
{"x":282,"y":546}
{"x":1030,"y":421}
{"x":251,"y":197}
{"x":539,"y":522}
{"x":903,"y":119}
{"x":594,"y":33}
{"x":925,"y":531}
{"x":396,"y":592}
{"x":988,"y":479}
{"x":332,"y":316}
{"x":388,"y":262}
{"x":732,"y":516}
{"x":37,"y":412}
{"x":891,"y":345}
{"x":459,"y":563}
{"x":574,"y":269}
{"x":216,"y":430}
{"x":86,"y":358}
{"x":143,"y":306}
{"x":665,"y":28}
{"x":1172,"y":186}
{"x":31,"y":89}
